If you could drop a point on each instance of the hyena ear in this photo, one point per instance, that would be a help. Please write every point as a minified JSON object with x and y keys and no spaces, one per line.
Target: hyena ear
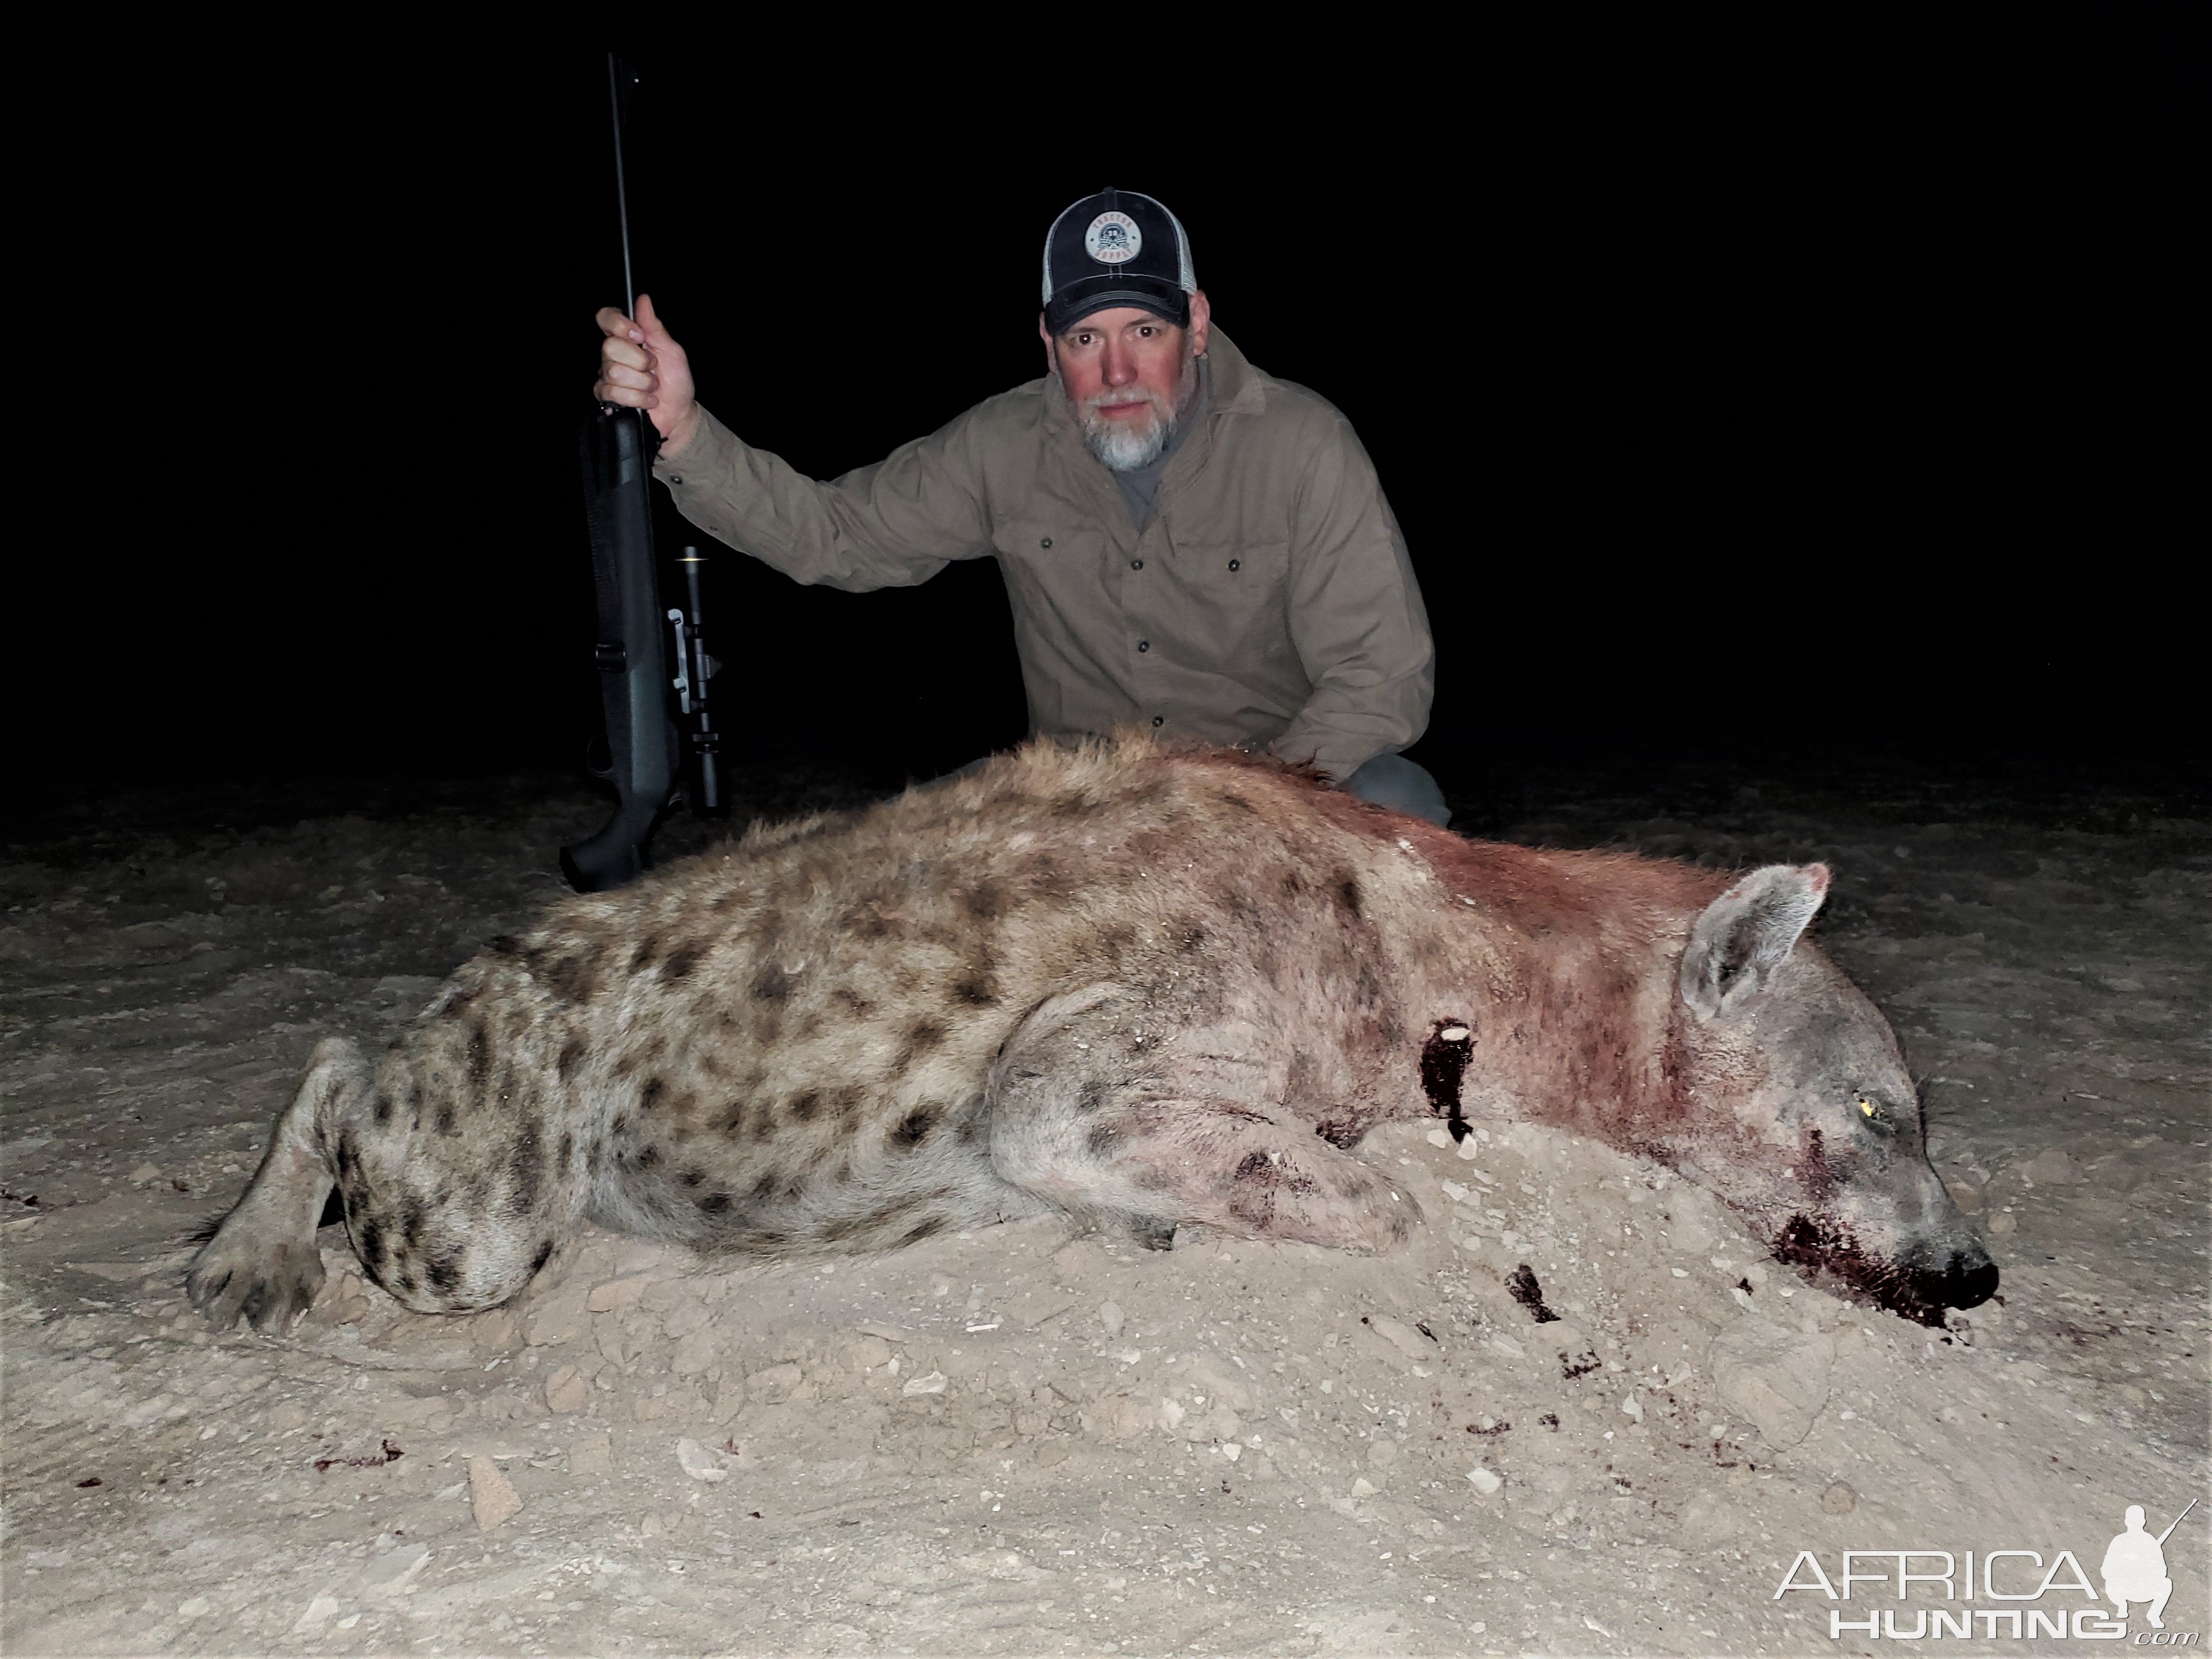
{"x":1744,"y":935}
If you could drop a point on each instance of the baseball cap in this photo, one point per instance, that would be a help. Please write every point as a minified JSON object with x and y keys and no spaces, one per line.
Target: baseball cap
{"x":1117,"y":248}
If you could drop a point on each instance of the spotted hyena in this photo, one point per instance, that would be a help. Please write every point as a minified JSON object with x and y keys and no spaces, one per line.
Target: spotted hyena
{"x":1143,"y":987}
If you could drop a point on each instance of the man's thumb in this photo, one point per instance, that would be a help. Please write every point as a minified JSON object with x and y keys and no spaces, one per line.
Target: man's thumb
{"x":647,"y":317}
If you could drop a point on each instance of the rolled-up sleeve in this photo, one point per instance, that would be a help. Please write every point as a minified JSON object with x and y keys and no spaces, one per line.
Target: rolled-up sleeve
{"x":891,"y":524}
{"x":1356,"y":615}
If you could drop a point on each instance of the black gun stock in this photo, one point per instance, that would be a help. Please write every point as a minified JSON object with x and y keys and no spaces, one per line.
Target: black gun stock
{"x":641,"y":740}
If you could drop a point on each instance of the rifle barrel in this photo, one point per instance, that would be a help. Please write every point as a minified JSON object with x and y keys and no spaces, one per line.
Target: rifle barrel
{"x":2176,"y":1521}
{"x":622,"y":186}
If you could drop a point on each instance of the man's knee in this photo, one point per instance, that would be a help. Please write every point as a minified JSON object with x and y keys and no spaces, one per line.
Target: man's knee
{"x":1402,"y":785}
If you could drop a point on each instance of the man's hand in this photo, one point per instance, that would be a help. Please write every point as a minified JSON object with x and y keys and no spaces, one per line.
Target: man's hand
{"x":641,"y":367}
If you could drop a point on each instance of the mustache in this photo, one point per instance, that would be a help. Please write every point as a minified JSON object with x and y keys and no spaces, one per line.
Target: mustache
{"x":1127,"y":397}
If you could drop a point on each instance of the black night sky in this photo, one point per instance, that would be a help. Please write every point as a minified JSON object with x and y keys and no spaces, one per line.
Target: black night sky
{"x":1790,"y":394}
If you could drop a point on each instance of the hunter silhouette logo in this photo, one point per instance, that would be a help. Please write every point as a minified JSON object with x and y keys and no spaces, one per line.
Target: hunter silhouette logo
{"x":2133,"y":1571}
{"x":2135,"y":1566}
{"x":1113,"y":238}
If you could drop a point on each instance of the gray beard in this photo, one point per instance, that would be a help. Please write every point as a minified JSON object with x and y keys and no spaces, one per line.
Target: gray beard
{"x":1122,"y":445}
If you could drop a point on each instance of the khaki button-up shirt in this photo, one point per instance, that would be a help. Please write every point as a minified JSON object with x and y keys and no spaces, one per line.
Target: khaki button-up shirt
{"x":1269,"y":602}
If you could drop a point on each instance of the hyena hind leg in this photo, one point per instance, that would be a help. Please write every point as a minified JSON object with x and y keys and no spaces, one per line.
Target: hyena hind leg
{"x":262,"y":1264}
{"x":1084,"y":1116}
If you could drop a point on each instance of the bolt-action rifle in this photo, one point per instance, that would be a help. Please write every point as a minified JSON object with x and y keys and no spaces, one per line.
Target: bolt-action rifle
{"x":645,"y":747}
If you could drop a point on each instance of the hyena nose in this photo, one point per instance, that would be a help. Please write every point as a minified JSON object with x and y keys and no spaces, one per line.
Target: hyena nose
{"x":1970,"y":1279}
{"x":1959,"y":1276}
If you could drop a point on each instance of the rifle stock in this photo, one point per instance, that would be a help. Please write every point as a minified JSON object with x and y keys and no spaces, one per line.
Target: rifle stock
{"x":641,"y":740}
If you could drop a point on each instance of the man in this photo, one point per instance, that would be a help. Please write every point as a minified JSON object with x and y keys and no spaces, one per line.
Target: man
{"x":1189,"y":545}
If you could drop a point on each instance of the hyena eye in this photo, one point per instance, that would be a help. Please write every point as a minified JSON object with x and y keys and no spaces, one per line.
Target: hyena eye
{"x":1868,"y":1109}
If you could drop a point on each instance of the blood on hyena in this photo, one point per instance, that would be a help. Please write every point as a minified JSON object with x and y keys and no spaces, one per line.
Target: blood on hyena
{"x":1142,"y":987}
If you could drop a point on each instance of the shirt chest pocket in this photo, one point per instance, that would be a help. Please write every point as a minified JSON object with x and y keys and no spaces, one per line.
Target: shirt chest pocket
{"x":1043,"y":557}
{"x":1235,"y":589}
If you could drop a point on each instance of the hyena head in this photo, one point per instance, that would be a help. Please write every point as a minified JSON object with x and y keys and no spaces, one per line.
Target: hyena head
{"x":1802,"y":1116}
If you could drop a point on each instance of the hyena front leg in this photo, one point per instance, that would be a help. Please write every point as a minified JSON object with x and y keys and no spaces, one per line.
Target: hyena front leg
{"x":262,"y":1262}
{"x":456,"y":1188}
{"x":1089,"y":1112}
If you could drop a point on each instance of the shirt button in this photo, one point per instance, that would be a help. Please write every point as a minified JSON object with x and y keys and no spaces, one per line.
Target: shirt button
{"x":1159,"y":720}
{"x":1234,"y":564}
{"x":1047,"y":542}
{"x":1135,"y":565}
{"x":1144,"y":644}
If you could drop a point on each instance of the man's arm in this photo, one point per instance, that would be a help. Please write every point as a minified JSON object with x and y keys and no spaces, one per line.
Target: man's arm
{"x":1355,"y":617}
{"x":889,"y":525}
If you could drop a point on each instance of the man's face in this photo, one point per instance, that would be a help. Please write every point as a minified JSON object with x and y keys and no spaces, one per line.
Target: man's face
{"x":1129,"y":376}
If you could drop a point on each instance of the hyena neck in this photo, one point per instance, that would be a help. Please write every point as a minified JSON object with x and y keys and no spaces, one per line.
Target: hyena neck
{"x":1569,"y":995}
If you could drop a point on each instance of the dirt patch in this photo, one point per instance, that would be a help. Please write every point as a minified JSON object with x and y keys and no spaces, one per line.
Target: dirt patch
{"x":1023,"y":1439}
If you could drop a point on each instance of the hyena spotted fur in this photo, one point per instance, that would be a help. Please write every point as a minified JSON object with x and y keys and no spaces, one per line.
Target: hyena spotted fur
{"x":1143,"y":987}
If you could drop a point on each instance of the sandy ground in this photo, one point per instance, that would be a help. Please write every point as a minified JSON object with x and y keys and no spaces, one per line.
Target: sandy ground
{"x":1027,"y":1440}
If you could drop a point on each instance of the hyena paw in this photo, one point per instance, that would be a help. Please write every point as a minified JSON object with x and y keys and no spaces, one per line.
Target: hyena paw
{"x":269,"y":1284}
{"x":1380,"y":1216}
{"x":1332,"y":1201}
{"x":1150,"y":1232}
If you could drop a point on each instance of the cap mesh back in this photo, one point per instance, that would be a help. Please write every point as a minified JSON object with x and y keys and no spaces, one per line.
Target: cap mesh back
{"x":1189,"y":276}
{"x":1049,"y":233}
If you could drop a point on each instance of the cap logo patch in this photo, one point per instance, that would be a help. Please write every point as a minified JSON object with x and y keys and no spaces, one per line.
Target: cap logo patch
{"x":1112,"y":238}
